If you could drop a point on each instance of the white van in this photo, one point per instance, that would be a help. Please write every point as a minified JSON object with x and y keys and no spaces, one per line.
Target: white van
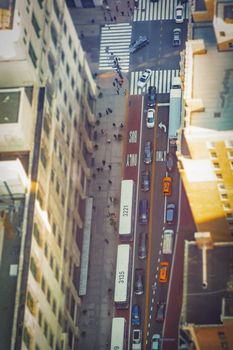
{"x":167,"y":241}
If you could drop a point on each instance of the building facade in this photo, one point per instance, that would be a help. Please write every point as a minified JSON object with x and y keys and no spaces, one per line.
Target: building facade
{"x":47,"y":100}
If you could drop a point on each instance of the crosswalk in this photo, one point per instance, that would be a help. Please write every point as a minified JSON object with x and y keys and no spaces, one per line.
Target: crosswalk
{"x":160,"y":78}
{"x":114,"y":42}
{"x":161,"y":10}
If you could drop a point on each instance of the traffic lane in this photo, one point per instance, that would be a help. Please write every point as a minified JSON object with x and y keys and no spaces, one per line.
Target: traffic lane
{"x":132,"y":137}
{"x":187,"y":227}
{"x":146,"y":57}
{"x":170,"y":55}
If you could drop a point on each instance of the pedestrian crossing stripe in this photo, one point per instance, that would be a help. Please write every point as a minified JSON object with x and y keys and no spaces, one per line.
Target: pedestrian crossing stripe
{"x":161,"y":10}
{"x":114,"y":42}
{"x":160,"y":78}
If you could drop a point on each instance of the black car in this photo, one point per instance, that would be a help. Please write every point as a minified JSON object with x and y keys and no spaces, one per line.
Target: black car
{"x":151,"y":96}
{"x":170,"y":162}
{"x":148,"y":152}
{"x":139,"y":282}
{"x":160,"y":311}
{"x":138,"y":44}
{"x":145,"y":180}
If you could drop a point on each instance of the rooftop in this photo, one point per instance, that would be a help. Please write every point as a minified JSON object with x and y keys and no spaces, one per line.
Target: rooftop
{"x":213,"y":83}
{"x":204,"y":306}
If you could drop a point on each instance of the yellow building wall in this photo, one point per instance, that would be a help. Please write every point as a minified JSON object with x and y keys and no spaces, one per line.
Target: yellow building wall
{"x":203,"y":16}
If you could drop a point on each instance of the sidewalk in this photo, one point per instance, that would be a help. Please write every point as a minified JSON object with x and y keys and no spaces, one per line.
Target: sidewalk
{"x":97,"y":307}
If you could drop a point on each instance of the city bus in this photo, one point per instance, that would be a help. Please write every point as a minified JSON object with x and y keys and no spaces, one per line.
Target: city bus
{"x":118,"y":335}
{"x":126,"y":210}
{"x":122,"y":280}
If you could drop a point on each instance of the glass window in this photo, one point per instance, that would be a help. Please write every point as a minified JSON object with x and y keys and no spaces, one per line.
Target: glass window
{"x":54,"y":35}
{"x":40,"y":2}
{"x":35,"y":25}
{"x":45,"y":329}
{"x":32,"y":54}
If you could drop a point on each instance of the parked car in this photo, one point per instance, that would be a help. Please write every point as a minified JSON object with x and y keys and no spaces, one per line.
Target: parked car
{"x":155,"y":342}
{"x":136,"y":315}
{"x":143,"y":211}
{"x":170,"y":162}
{"x":138,"y":43}
{"x":151,"y":96}
{"x":145,"y":180}
{"x":163,"y":273}
{"x":148,"y":153}
{"x":137,"y":338}
{"x":142,"y":245}
{"x":167,"y":185}
{"x":176,"y":37}
{"x":139,"y":282}
{"x":179,"y":14}
{"x":170,"y":213}
{"x":144,"y":78}
{"x":150,"y":118}
{"x":160,"y":311}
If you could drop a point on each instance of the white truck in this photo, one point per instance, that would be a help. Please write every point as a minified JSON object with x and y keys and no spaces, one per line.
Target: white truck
{"x":167,"y":241}
{"x":137,"y":339}
{"x":174,"y":109}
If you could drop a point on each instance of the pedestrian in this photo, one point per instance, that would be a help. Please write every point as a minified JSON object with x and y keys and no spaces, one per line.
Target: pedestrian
{"x":106,"y":111}
{"x":92,"y":21}
{"x":96,"y":146}
{"x":121,"y":125}
{"x":122,"y":13}
{"x":93,"y":207}
{"x":97,"y":122}
{"x":105,"y":18}
{"x":114,"y":125}
{"x":114,"y":84}
{"x":128,"y":3}
{"x":98,"y":169}
{"x":125,"y":92}
{"x":103,"y":162}
{"x":101,"y":169}
{"x":108,"y":140}
{"x":116,"y":80}
{"x":82,"y":35}
{"x":114,"y":18}
{"x":102,"y":131}
{"x":94,"y":175}
{"x":110,"y":110}
{"x":109,"y":166}
{"x":117,"y":92}
{"x":110,"y":182}
{"x":106,"y":240}
{"x":115,"y":136}
{"x":100,"y":115}
{"x":117,"y":9}
{"x":99,"y":188}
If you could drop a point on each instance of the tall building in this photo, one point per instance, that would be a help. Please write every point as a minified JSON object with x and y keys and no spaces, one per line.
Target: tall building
{"x":47,"y":105}
{"x":206,"y":155}
{"x":205,"y":159}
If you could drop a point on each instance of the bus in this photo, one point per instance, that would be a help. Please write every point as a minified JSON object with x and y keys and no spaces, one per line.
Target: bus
{"x":126,"y":210}
{"x":174,"y":110}
{"x":118,"y":335}
{"x":122,"y":280}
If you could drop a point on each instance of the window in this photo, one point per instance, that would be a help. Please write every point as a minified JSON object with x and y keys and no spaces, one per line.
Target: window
{"x":217,"y":114}
{"x":62,"y":127}
{"x":27,"y":339}
{"x":79,"y":68}
{"x":40,"y":318}
{"x":60,"y":157}
{"x":57,"y":114}
{"x":57,"y":272}
{"x":226,"y":206}
{"x":63,"y":199}
{"x":52,"y":175}
{"x":35,"y":25}
{"x":230,"y":154}
{"x":62,"y":56}
{"x":74,"y":55}
{"x":54,"y":229}
{"x":213,"y":155}
{"x":58,"y":187}
{"x":37,"y":347}
{"x":219,"y":176}
{"x":54,"y":306}
{"x":51,"y":339}
{"x":59,"y":241}
{"x":43,"y":158}
{"x":36,"y":234}
{"x":70,"y":111}
{"x":45,"y":328}
{"x":60,"y":85}
{"x":70,"y":42}
{"x":223,"y":196}
{"x":229,"y":144}
{"x":56,"y":9}
{"x":216,"y":165}
{"x":67,"y":70}
{"x":65,"y":169}
{"x":51,"y":262}
{"x":221,"y":187}
{"x":231,"y":165}
{"x":221,"y":33}
{"x":77,"y":95}
{"x":54,"y":35}
{"x":72,"y":82}
{"x":40,"y":2}
{"x":65,"y":28}
{"x":32,"y":54}
{"x":51,"y":63}
{"x":43,"y":286}
{"x":46,"y":250}
{"x":65,"y":97}
{"x":49,"y":295}
{"x":229,"y":216}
